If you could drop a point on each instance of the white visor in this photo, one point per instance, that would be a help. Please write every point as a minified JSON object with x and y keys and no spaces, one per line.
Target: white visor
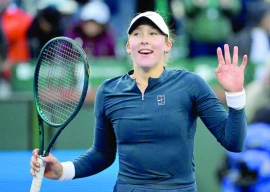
{"x":155,"y":18}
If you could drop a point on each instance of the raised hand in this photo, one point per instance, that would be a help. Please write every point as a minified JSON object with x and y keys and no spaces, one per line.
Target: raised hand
{"x":229,"y":75}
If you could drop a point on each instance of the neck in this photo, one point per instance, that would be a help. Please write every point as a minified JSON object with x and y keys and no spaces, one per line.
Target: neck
{"x":142,"y":74}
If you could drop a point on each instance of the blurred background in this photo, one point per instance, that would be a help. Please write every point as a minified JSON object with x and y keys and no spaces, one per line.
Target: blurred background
{"x":199,"y":27}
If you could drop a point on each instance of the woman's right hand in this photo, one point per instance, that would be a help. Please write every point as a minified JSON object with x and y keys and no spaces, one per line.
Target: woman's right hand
{"x":53,"y":169}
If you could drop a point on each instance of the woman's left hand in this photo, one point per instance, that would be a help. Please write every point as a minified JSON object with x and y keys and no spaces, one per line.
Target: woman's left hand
{"x":229,"y":75}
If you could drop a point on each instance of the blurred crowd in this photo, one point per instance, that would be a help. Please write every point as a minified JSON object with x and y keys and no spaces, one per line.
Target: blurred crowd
{"x":199,"y":27}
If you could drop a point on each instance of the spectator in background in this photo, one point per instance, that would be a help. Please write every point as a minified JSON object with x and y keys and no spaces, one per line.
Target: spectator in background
{"x":249,"y":171}
{"x":208,"y":24}
{"x":69,"y":10}
{"x":254,"y":39}
{"x":80,"y":5}
{"x":93,"y":31}
{"x":260,"y":17}
{"x":241,"y":20}
{"x":45,"y":26}
{"x":258,"y":92}
{"x":14,"y":24}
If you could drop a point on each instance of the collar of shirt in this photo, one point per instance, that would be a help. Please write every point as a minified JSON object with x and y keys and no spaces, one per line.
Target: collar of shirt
{"x":152,"y":82}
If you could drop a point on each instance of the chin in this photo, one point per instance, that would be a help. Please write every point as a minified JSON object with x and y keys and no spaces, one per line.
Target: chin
{"x":147,"y":64}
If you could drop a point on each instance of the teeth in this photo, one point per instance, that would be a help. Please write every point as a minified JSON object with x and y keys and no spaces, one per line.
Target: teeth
{"x":145,"y":51}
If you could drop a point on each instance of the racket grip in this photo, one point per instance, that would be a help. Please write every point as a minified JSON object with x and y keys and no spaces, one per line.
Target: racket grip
{"x":37,"y":179}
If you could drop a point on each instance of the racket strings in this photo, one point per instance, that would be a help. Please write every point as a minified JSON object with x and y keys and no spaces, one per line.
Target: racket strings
{"x":60,"y":81}
{"x":61,"y":58}
{"x":49,"y":86}
{"x":68,"y":107}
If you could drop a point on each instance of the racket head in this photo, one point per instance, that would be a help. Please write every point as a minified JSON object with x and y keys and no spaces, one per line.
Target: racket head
{"x":60,"y":81}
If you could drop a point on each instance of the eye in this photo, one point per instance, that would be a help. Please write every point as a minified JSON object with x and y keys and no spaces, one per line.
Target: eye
{"x":136,"y":34}
{"x":153,"y":33}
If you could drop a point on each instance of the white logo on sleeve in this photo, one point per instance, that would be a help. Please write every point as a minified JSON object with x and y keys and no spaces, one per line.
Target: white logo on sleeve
{"x":161,"y":99}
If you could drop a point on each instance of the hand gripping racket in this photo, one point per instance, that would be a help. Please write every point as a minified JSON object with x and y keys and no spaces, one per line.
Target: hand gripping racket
{"x":60,"y":86}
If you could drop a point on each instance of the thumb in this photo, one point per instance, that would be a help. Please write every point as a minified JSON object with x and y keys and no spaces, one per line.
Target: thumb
{"x":48,"y":158}
{"x":45,"y":159}
{"x":218,"y":70}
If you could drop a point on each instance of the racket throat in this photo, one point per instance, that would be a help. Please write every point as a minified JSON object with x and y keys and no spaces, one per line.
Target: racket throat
{"x":41,"y":136}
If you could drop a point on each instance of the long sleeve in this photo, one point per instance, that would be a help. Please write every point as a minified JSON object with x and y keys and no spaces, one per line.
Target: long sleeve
{"x":102,"y":154}
{"x":234,"y":135}
{"x":229,"y":128}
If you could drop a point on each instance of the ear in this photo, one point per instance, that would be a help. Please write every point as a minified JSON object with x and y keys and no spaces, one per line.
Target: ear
{"x":128,"y":48}
{"x":168,"y":46}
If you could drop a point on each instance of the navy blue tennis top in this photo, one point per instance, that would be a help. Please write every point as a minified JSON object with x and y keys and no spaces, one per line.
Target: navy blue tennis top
{"x":153,"y":133}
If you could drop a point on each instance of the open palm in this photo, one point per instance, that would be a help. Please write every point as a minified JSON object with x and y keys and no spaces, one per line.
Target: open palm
{"x":229,"y":75}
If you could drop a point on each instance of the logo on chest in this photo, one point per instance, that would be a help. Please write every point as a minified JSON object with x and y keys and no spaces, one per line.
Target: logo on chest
{"x":161,"y":99}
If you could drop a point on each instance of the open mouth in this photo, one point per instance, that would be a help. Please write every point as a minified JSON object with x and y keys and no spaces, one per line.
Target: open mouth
{"x":145,"y":51}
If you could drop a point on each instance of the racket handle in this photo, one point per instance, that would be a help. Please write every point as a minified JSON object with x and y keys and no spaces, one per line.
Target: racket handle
{"x":37,"y":179}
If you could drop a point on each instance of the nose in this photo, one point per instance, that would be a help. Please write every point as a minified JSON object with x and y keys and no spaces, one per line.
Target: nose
{"x":145,"y":40}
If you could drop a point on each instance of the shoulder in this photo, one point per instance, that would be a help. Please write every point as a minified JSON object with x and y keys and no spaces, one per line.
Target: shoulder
{"x":109,"y":85}
{"x":185,"y":75}
{"x":192,"y":82}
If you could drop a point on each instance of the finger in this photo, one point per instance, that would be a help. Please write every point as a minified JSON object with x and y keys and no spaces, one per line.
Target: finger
{"x":34,"y":166}
{"x":235,"y":55}
{"x":35,"y":152}
{"x":49,"y":158}
{"x":244,"y":62}
{"x":227,"y":54}
{"x":45,"y":159}
{"x":220,"y":56}
{"x":34,"y":163}
{"x":34,"y":158}
{"x":32,"y":172}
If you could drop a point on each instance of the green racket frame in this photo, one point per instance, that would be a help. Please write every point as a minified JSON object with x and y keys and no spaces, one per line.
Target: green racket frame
{"x":41,"y":116}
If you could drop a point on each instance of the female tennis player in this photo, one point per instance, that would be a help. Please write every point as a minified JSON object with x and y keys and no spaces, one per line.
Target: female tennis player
{"x":149,"y":116}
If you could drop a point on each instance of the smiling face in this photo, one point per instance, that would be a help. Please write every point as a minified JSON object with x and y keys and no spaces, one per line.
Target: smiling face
{"x":147,"y":46}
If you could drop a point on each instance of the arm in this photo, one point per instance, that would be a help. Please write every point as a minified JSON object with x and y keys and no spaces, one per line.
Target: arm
{"x":102,"y":154}
{"x":233,"y":136}
{"x":229,"y":128}
{"x":231,"y":78}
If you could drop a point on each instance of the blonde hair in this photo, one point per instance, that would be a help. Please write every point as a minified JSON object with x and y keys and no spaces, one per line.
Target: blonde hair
{"x":172,"y":40}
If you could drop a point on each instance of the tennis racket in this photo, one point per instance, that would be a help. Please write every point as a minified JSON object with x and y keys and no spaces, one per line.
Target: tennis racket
{"x":60,"y":86}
